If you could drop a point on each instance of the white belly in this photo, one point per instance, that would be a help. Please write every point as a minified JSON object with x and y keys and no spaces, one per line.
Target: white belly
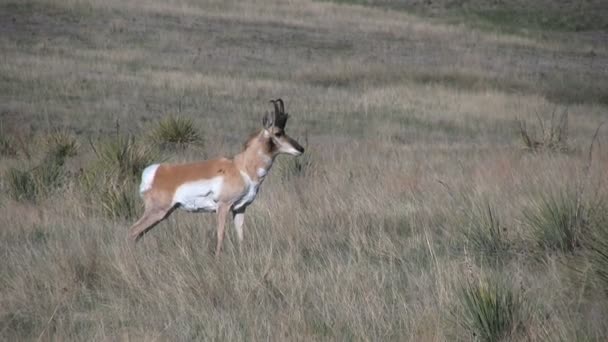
{"x":201,"y":195}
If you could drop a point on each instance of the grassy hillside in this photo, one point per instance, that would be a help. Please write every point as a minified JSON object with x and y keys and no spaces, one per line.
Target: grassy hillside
{"x":453,"y":185}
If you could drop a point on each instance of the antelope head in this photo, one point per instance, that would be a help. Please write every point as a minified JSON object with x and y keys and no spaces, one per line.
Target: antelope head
{"x":274,"y":130}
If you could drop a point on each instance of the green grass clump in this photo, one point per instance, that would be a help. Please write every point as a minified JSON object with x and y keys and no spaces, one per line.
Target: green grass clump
{"x":29,"y":185}
{"x":176,"y":131}
{"x":557,"y":220}
{"x":124,"y":157}
{"x":491,"y":309}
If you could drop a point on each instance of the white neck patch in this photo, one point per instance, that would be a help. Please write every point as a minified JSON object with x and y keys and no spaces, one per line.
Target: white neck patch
{"x":261,"y":172}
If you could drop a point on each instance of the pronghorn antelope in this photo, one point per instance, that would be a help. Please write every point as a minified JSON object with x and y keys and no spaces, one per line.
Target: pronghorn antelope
{"x":219,"y":185}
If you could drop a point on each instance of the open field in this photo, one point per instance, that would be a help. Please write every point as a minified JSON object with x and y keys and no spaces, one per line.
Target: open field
{"x":417,"y":212}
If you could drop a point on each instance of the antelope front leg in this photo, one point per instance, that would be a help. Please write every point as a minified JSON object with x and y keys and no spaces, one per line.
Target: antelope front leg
{"x":239,"y":219}
{"x":222,"y":211}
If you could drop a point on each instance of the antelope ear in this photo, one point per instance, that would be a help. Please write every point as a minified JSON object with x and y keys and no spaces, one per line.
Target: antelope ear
{"x":268,"y":120}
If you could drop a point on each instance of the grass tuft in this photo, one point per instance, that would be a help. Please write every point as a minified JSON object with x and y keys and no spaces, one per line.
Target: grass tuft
{"x":557,"y":220}
{"x":119,"y":200}
{"x":61,"y":145}
{"x":21,"y":185}
{"x":176,"y":132}
{"x":124,"y":157}
{"x":112,"y":179}
{"x":42,"y":179}
{"x":491,"y":309}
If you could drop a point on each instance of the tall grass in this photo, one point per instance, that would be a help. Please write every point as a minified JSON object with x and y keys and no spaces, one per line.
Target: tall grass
{"x":552,"y":135}
{"x":354,"y":240}
{"x":484,"y":233}
{"x":7,"y":146}
{"x":595,"y":242}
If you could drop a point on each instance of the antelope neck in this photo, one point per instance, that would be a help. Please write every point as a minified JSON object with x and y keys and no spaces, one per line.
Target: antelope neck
{"x":253,"y":160}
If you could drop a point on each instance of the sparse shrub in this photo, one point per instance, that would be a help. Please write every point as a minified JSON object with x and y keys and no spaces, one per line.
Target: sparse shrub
{"x":176,"y":131}
{"x":484,"y":232}
{"x":124,"y":157}
{"x":491,"y":309}
{"x":556,"y":220}
{"x":553,"y":134}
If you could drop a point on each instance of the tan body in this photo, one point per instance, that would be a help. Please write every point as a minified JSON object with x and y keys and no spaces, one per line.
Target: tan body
{"x":219,"y":185}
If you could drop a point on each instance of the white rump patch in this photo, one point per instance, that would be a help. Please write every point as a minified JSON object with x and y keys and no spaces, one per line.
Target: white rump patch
{"x":147,"y":177}
{"x":201,"y":195}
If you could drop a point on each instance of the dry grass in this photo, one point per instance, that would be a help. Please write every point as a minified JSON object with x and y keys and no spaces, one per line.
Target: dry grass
{"x":413,"y":190}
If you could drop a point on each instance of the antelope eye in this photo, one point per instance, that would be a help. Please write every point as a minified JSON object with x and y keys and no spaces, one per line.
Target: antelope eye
{"x":279,"y":134}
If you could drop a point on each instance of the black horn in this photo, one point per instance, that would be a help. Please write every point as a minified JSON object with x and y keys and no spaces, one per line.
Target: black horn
{"x":281,"y":118}
{"x":277,"y":110}
{"x":281,"y":106}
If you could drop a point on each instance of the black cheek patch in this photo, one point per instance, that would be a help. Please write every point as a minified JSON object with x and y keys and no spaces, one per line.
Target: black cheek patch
{"x":272,"y":147}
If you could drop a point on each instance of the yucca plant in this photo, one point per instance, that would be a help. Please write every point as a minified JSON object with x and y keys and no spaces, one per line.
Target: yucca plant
{"x":490,"y":309}
{"x":176,"y":131}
